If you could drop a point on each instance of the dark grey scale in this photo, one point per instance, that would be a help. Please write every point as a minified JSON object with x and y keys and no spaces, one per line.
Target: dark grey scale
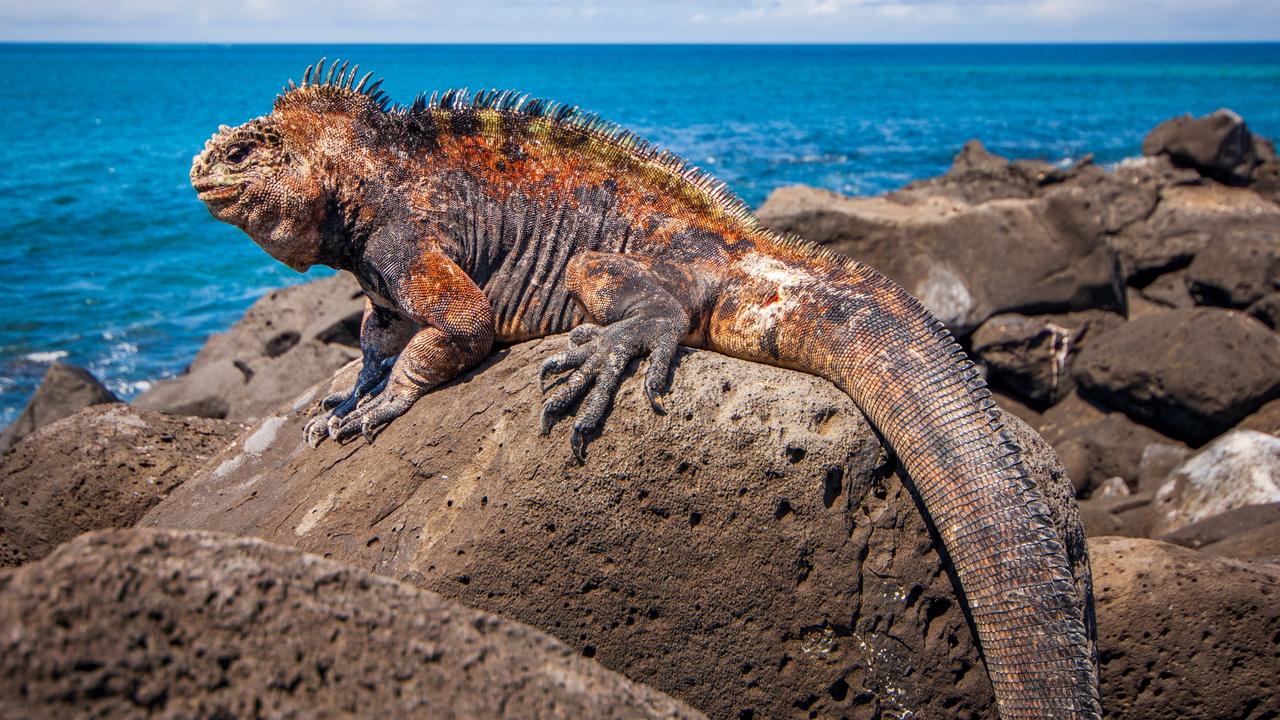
{"x":517,"y":250}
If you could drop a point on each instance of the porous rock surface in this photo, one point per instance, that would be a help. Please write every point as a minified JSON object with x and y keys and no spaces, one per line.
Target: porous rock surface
{"x":289,"y":340}
{"x":749,"y":552}
{"x":966,"y":262}
{"x":64,"y":390}
{"x":1182,"y":634}
{"x":103,"y":467}
{"x":158,"y":623}
{"x":1191,"y":373}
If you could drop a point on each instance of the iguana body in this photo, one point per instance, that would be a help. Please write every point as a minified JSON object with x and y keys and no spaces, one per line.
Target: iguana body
{"x":500,"y":219}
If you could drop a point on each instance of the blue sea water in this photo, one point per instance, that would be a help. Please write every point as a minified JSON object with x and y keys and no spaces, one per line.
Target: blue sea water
{"x":107,"y":259}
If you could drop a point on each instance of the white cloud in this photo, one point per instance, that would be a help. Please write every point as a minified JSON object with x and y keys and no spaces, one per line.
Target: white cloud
{"x":329,"y":21}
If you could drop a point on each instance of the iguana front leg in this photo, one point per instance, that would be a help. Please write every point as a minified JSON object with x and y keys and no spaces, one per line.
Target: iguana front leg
{"x":637,"y":302}
{"x":456,"y":322}
{"x":383,"y":334}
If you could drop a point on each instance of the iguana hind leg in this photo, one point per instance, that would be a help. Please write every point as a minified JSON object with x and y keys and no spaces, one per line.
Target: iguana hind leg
{"x":638,"y":314}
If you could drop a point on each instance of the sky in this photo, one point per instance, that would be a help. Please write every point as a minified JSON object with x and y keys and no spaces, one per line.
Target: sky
{"x":655,"y":21}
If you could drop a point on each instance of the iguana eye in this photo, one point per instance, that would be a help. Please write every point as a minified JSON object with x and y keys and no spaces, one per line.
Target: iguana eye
{"x":238,"y":153}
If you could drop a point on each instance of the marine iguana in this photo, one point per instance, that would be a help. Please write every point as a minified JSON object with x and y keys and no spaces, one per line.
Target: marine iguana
{"x":497,"y":218}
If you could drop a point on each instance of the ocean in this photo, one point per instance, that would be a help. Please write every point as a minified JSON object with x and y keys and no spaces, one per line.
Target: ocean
{"x":108,"y":261}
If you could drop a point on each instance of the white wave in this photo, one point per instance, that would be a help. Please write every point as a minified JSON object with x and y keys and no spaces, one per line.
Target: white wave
{"x":46,"y":356}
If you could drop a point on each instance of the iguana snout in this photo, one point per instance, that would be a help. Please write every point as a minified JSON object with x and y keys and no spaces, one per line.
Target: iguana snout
{"x":248,"y":177}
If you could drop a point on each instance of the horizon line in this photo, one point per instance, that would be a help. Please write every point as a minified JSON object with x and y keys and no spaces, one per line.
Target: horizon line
{"x":642,"y":43}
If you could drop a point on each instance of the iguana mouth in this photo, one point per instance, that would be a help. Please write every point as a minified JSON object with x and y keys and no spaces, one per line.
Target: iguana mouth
{"x":217,"y":189}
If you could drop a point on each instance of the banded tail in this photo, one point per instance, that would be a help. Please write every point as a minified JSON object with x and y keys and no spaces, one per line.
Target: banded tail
{"x":842,"y":320}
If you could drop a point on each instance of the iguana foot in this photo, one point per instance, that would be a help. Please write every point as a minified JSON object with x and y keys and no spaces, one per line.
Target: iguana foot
{"x":390,"y":400}
{"x":369,"y":385}
{"x":598,"y":357}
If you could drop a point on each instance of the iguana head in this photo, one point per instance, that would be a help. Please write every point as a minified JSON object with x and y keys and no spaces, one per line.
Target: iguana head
{"x":275,"y":176}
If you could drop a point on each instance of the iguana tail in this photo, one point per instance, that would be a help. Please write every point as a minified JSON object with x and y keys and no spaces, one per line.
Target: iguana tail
{"x":806,"y":309}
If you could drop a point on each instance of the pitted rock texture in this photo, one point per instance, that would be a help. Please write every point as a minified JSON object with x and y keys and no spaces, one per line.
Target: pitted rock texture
{"x":64,"y":390}
{"x":750,"y":552}
{"x":1193,"y":373}
{"x":158,"y":623}
{"x":966,"y":262}
{"x":289,"y":340}
{"x":103,"y":467}
{"x":1183,"y":634}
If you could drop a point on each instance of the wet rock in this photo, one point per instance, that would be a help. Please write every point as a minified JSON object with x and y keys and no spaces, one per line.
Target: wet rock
{"x":1237,"y":273}
{"x":1251,"y":532}
{"x":749,"y":552}
{"x":1240,"y":468}
{"x":1096,"y":443}
{"x":183,"y":624}
{"x":1218,"y":145}
{"x":966,"y":262}
{"x":1182,"y":634}
{"x":286,"y":342}
{"x":64,"y":390}
{"x":1192,"y":373}
{"x":1032,"y":355}
{"x":103,"y":467}
{"x":1188,"y":219}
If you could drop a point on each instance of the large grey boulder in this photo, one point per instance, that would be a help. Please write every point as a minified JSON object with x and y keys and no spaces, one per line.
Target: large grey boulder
{"x":286,"y":342}
{"x":966,"y":262}
{"x":751,"y":551}
{"x":64,"y":390}
{"x":102,"y":467}
{"x":160,"y":623}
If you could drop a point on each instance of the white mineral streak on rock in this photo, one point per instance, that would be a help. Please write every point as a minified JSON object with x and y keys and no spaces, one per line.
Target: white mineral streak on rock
{"x":1240,"y":468}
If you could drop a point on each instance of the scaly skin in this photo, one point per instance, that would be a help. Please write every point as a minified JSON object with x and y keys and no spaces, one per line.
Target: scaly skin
{"x":502,"y":218}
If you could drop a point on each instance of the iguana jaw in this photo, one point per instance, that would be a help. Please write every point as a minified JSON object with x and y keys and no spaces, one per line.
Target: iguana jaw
{"x":218,"y":190}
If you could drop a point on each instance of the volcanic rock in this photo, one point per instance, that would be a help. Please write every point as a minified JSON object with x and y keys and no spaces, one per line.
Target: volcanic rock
{"x":1267,"y":310}
{"x":750,"y":552}
{"x":1188,"y":219}
{"x":1032,"y":355}
{"x":289,"y":340}
{"x":1240,"y":468}
{"x":1266,"y":420}
{"x":164,"y":623}
{"x":1096,"y":443}
{"x":103,"y":467}
{"x":1218,"y":145}
{"x":1237,"y":273}
{"x":1182,"y":634}
{"x":1191,"y":373}
{"x":966,"y":262}
{"x":1250,"y":532}
{"x":64,"y":390}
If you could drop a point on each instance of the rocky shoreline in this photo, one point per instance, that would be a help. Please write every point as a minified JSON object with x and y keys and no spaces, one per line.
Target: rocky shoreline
{"x":753,"y":553}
